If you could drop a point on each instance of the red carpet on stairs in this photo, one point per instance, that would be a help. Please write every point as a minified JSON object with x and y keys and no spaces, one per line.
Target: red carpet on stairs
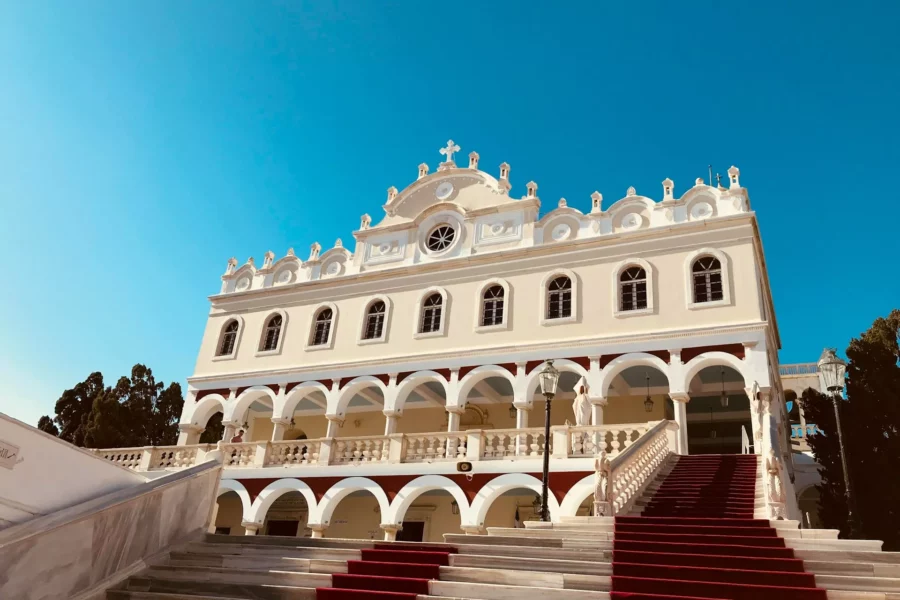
{"x":390,"y":570}
{"x":697,"y":539}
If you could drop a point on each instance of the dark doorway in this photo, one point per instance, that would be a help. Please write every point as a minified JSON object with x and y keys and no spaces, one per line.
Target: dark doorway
{"x":413,"y":531}
{"x":284,"y":528}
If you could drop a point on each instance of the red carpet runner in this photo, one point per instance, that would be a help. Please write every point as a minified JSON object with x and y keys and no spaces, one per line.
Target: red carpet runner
{"x":697,"y":538}
{"x":389,"y":571}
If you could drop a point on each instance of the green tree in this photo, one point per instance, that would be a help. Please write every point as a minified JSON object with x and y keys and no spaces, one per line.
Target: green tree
{"x":870,"y":418}
{"x":137,"y":411}
{"x":214,"y":430}
{"x":47,"y":425}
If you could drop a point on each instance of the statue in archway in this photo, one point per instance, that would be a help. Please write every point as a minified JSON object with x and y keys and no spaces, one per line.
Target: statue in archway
{"x":582,"y":405}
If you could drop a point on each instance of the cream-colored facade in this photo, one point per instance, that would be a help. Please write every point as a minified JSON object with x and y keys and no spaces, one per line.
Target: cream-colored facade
{"x":337,"y":381}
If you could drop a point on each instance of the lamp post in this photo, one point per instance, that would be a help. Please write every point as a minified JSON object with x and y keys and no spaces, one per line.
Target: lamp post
{"x":831,"y":377}
{"x":549,"y":378}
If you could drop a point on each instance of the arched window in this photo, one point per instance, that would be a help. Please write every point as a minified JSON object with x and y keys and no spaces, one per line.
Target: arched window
{"x":559,"y":298}
{"x":273,"y":333}
{"x":707,"y":278}
{"x":322,"y":328}
{"x":229,"y":339}
{"x":633,"y":289}
{"x":431,"y":314}
{"x":492,"y":306}
{"x":375,"y":321}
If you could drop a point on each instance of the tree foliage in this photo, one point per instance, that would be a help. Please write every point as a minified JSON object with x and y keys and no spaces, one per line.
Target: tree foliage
{"x":870,"y":421}
{"x":137,"y":411}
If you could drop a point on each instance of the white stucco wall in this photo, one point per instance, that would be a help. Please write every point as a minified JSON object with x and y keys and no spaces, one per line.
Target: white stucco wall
{"x":50,"y":474}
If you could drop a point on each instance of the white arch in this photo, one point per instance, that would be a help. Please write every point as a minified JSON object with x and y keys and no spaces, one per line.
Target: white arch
{"x":206,"y":408}
{"x":479,"y":374}
{"x":497,"y":487}
{"x":616,"y":296}
{"x":274,"y":491}
{"x":507,"y":304}
{"x":533,"y":380}
{"x":249,"y":396}
{"x":713,"y":359}
{"x":341,"y":490}
{"x":412,"y":382}
{"x":581,"y":490}
{"x":545,"y":292}
{"x":634,"y":359}
{"x":232,"y":485}
{"x":292,"y":399}
{"x":412,"y":490}
{"x":689,"y":278}
{"x":337,"y":404}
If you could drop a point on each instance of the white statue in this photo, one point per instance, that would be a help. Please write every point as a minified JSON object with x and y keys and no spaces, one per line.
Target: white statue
{"x":582,"y":405}
{"x":776,"y":486}
{"x":601,"y":484}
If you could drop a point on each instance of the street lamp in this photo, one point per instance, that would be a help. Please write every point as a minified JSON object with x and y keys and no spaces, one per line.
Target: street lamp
{"x":723,"y":399}
{"x":549,"y":378}
{"x":648,"y":401}
{"x":831,"y":377}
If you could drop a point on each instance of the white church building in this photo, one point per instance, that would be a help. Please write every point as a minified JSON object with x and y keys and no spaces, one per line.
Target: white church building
{"x":353,"y":384}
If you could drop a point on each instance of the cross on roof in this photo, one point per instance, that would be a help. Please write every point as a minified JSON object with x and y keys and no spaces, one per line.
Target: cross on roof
{"x":450,"y":150}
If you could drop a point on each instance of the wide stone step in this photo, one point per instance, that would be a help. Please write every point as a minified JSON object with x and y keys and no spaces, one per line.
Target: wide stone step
{"x":849,"y":555}
{"x":601,"y":552}
{"x":260,"y":550}
{"x":225,"y":575}
{"x":273,"y":563}
{"x":214,"y":588}
{"x":483,"y":591}
{"x":132,"y":595}
{"x":600,"y":564}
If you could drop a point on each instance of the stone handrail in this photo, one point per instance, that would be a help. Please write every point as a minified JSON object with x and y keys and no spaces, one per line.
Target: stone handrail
{"x":635,"y":467}
{"x":471,"y":445}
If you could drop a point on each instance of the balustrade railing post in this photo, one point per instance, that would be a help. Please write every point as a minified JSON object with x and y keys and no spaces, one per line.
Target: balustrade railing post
{"x":325,"y":451}
{"x":259,"y":457}
{"x":397,"y":449}
{"x":146,"y":459}
{"x":473,"y":445}
{"x":561,"y":442}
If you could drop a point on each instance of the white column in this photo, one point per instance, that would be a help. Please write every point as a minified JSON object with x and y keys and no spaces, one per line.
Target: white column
{"x":680,"y":401}
{"x":453,"y":419}
{"x":230,"y":430}
{"x":189,"y":434}
{"x":522,"y":417}
{"x":390,"y":422}
{"x":597,"y":406}
{"x":250,"y":528}
{"x":333,"y":424}
{"x":280,"y":426}
{"x":390,"y":532}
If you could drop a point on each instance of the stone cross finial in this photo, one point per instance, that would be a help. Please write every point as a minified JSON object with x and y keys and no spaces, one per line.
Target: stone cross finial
{"x":314,"y":250}
{"x":232,"y":263}
{"x":596,"y":202}
{"x":268,"y":259}
{"x":449,"y":151}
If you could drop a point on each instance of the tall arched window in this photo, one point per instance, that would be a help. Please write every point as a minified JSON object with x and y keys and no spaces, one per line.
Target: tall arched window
{"x":559,"y":298}
{"x":431,"y":314}
{"x":707,"y":277}
{"x":229,"y":338}
{"x":273,"y":333}
{"x":633,"y":289}
{"x":375,"y":321}
{"x":492,"y":306}
{"x":322,"y":330}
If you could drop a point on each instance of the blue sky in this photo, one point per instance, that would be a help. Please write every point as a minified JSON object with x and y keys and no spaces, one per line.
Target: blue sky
{"x":144,"y":143}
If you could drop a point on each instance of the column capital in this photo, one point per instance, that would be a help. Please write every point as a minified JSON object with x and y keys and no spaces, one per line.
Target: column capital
{"x":473,"y":529}
{"x":250,"y":527}
{"x":392,"y":413}
{"x":190,"y":428}
{"x":598,"y":400}
{"x":281,"y":421}
{"x":675,"y":356}
{"x":455,"y":409}
{"x":394,"y":527}
{"x":335,"y":418}
{"x":318,"y":529}
{"x":680,"y":397}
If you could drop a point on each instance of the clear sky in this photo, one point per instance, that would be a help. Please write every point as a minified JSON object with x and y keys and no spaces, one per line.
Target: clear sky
{"x":142,"y":144}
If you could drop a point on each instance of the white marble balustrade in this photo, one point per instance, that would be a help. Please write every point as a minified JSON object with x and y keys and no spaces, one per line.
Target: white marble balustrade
{"x":471,"y":445}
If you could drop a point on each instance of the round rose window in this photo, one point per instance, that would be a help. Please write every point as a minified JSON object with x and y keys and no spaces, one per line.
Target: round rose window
{"x":440,"y":238}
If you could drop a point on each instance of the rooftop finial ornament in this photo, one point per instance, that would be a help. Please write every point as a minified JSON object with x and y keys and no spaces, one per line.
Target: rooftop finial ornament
{"x":314,"y":250}
{"x":392,"y":193}
{"x":630,"y":191}
{"x":232,"y":263}
{"x":473,"y":160}
{"x":268,"y":259}
{"x":423,"y":170}
{"x":531,"y":188}
{"x":734,"y":175}
{"x":596,"y":202}
{"x":448,"y":152}
{"x":365,"y":221}
{"x":668,"y":189}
